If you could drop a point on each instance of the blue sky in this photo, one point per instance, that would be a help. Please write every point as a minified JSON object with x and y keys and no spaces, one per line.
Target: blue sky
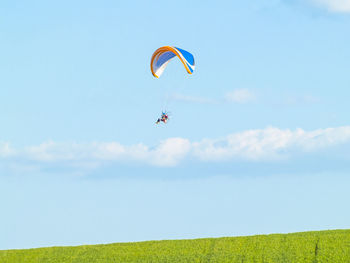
{"x":257,"y":142}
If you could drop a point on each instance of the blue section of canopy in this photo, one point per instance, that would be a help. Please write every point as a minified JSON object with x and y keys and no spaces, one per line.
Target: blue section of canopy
{"x":187,"y":55}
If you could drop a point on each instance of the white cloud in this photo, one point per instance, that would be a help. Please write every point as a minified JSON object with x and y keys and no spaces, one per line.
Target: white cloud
{"x":6,"y":150}
{"x":240,"y":96}
{"x":269,"y":144}
{"x":170,"y":152}
{"x":342,"y":6}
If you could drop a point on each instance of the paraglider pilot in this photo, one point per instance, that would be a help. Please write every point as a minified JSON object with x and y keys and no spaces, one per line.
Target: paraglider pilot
{"x":164,"y":118}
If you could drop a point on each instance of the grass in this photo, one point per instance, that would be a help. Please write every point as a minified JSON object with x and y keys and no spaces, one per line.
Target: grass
{"x":331,"y":246}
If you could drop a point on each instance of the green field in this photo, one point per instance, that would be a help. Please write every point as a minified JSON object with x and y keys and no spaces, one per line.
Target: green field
{"x":320,"y":246}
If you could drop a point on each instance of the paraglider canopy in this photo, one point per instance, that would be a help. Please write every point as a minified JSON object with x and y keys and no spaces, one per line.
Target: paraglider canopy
{"x":163,"y":55}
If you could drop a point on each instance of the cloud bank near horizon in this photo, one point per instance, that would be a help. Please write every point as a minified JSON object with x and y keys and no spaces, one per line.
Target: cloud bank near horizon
{"x":260,"y":145}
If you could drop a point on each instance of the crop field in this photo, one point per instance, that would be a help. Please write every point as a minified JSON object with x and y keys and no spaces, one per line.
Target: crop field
{"x":331,"y":246}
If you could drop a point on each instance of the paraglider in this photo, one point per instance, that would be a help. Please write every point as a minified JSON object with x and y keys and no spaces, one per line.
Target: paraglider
{"x":160,"y":59}
{"x":162,"y":56}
